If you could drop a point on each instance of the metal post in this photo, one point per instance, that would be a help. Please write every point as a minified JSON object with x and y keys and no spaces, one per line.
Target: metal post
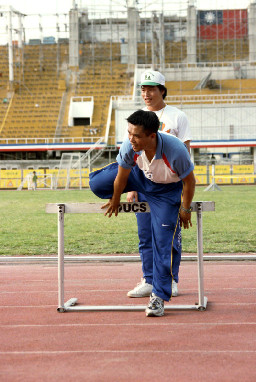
{"x":200,"y":254}
{"x":58,"y":45}
{"x":153,"y":60}
{"x":111,"y":38}
{"x":61,"y":211}
{"x":89,"y":162}
{"x":213,"y":186}
{"x":10,"y":50}
{"x":161,"y":42}
{"x":20,"y":44}
{"x":80,"y":172}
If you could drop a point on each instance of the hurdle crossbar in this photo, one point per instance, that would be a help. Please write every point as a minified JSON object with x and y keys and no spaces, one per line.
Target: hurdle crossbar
{"x":141,"y":207}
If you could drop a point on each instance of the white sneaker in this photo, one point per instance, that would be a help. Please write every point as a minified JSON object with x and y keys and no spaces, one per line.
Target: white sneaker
{"x":142,"y":289}
{"x":155,"y":307}
{"x":174,"y":289}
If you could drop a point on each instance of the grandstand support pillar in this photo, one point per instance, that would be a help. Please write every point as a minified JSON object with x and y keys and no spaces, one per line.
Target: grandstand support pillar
{"x":10,"y":49}
{"x":41,"y":29}
{"x":192,"y":155}
{"x":161,"y":43}
{"x":84,"y":25}
{"x":73,"y":38}
{"x":41,"y":53}
{"x":20,"y":32}
{"x":157,"y":41}
{"x":153,"y":43}
{"x":133,"y":18}
{"x":252,"y":32}
{"x":58,"y":45}
{"x":191,"y":35}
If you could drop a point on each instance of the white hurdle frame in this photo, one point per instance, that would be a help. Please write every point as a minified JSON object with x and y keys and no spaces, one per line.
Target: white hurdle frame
{"x":73,"y":208}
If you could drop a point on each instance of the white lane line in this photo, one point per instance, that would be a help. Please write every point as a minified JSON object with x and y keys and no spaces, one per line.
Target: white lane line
{"x":123,"y":290}
{"x":215,"y":303}
{"x":193,"y":351}
{"x":27,"y":306}
{"x":176,"y":324}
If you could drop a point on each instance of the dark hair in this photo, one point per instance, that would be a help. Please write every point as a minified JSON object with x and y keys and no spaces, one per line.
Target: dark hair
{"x":162,"y":87}
{"x":147,"y":119}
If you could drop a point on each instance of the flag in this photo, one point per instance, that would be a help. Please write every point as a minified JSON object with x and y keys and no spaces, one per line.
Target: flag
{"x":224,"y":24}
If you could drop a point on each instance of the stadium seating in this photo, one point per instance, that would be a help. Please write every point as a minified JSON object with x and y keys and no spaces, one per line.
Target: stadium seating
{"x":235,"y":86}
{"x":42,"y":76}
{"x":207,"y":51}
{"x":102,"y":80}
{"x":222,"y":50}
{"x":36,"y":98}
{"x":39,"y":88}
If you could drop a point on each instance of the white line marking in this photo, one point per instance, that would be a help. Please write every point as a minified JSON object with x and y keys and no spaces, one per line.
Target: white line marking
{"x":131,"y":324}
{"x":216,"y":303}
{"x":28,"y":306}
{"x":123,"y":290}
{"x":127,"y":351}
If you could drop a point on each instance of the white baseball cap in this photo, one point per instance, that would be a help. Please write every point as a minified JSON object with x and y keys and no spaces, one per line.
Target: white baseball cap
{"x":152,"y":78}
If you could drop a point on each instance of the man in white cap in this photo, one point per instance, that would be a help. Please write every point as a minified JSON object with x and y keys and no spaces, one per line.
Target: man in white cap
{"x":172,"y":121}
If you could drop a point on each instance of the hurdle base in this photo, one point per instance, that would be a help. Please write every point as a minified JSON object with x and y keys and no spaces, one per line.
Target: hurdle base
{"x":70,"y":306}
{"x":69,"y":303}
{"x":213,"y":187}
{"x":202,"y":307}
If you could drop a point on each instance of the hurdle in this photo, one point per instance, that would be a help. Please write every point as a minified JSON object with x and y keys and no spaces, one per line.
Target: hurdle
{"x":141,"y":207}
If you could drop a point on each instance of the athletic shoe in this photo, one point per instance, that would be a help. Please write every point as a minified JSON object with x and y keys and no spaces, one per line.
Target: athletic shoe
{"x":142,"y":289}
{"x":174,"y":289}
{"x":155,"y":307}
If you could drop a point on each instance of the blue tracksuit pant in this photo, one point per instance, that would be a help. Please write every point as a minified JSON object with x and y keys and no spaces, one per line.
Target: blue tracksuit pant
{"x":164,"y":201}
{"x":145,"y":245}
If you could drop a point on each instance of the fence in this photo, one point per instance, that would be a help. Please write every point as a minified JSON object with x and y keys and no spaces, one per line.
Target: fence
{"x":224,"y":174}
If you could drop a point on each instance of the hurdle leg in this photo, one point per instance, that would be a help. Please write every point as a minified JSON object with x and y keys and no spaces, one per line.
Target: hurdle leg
{"x":61,"y":211}
{"x":202,"y":300}
{"x":62,"y":307}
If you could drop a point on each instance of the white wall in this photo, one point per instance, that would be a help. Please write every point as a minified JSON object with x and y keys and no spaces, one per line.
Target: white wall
{"x":195,"y":72}
{"x":224,"y":122}
{"x":80,"y":107}
{"x":207,"y":122}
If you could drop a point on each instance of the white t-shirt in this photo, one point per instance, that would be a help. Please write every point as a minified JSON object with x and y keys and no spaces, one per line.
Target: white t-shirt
{"x":174,"y":121}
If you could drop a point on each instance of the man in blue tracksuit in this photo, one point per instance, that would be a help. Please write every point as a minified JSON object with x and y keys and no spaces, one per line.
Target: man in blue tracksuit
{"x":159,"y":166}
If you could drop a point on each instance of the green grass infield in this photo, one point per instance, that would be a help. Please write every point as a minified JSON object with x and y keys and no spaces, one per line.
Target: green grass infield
{"x":26,"y":229}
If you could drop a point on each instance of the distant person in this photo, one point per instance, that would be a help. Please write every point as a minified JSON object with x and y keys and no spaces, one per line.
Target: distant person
{"x":34,"y":181}
{"x":159,"y":166}
{"x":172,"y":121}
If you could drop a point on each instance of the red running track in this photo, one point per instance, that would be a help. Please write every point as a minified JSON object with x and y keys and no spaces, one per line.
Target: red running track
{"x":40,"y":344}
